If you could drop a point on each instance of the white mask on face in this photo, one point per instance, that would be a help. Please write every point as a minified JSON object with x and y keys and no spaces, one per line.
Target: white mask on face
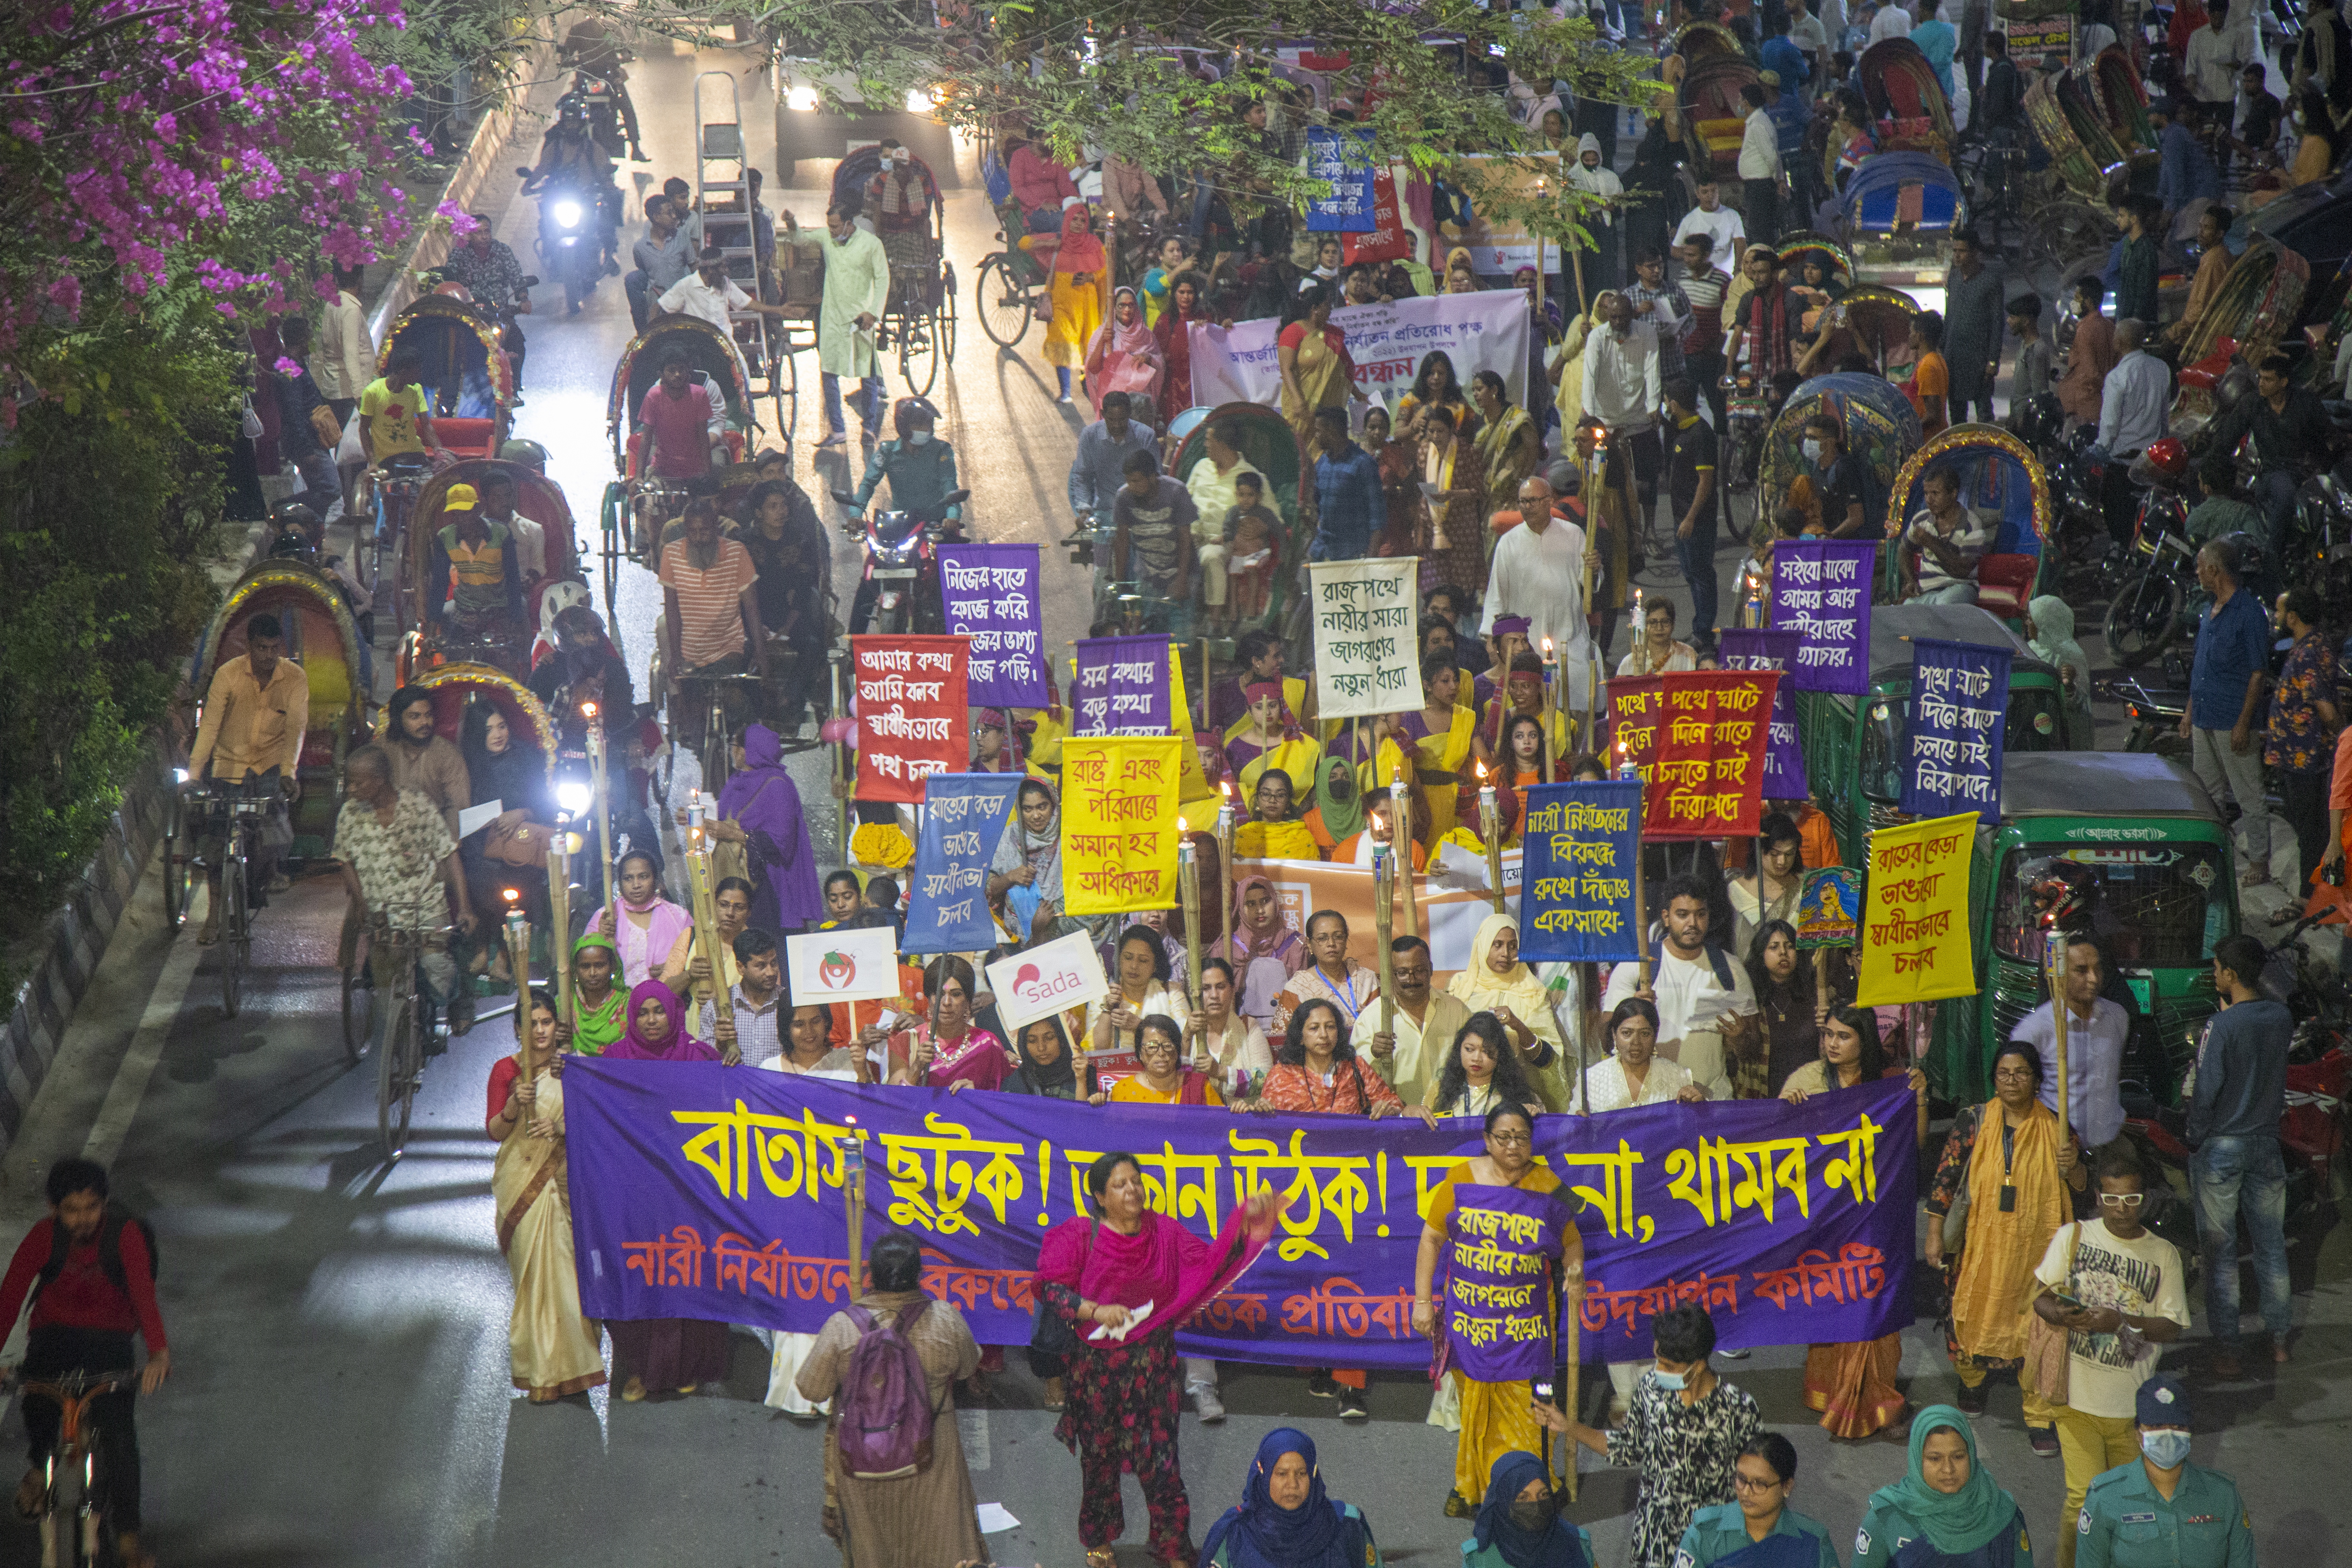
{"x":918,"y":439}
{"x":1812,"y":451}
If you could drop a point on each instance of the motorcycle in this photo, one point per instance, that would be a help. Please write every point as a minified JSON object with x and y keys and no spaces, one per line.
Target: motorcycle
{"x":570,"y":235}
{"x":2090,"y":564}
{"x":2155,"y":717}
{"x":602,"y":94}
{"x":899,"y":589}
{"x":601,"y":82}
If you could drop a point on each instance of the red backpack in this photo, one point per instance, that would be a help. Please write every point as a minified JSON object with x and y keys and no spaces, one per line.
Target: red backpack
{"x":885,"y":1405}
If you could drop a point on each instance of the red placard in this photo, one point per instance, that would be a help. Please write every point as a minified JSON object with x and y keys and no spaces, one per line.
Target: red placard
{"x":912,"y":720}
{"x":1388,"y":241}
{"x":1635,"y":701}
{"x":1706,"y":778}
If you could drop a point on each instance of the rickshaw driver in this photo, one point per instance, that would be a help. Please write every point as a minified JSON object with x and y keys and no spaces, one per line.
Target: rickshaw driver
{"x":490,"y":273}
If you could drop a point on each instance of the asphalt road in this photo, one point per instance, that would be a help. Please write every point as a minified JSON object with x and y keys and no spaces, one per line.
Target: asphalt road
{"x":339,"y":1325}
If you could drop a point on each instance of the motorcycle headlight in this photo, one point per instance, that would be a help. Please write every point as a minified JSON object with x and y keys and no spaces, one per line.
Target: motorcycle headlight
{"x":574,"y":796}
{"x":568,"y":213}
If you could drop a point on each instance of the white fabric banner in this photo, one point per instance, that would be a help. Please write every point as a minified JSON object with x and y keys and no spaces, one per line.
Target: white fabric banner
{"x":1367,"y":653}
{"x":1485,"y":330}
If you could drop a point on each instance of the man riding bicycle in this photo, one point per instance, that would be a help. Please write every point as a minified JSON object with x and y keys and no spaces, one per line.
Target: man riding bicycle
{"x":921,"y":469}
{"x":256,"y":711}
{"x":711,"y":616}
{"x":95,"y":1278}
{"x":396,"y":855}
{"x":490,"y":273}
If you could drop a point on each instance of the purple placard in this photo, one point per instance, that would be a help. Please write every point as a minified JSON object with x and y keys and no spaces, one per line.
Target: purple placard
{"x":702,"y":1191}
{"x":1122,"y":687}
{"x":991,"y":596}
{"x":1784,"y":754}
{"x":1821,"y":590}
{"x":1502,"y":1256}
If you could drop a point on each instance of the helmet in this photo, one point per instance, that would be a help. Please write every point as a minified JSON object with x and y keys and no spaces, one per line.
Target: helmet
{"x":572,"y":112}
{"x":911,"y":412}
{"x":2168,"y":458}
{"x":296,"y":524}
{"x":529,"y":454}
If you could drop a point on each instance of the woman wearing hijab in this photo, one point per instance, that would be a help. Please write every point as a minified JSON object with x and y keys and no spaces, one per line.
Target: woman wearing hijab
{"x":1948,"y":1510}
{"x":653,"y":1353}
{"x":1519,"y":1524}
{"x":552,"y":1346}
{"x":1266,"y":949}
{"x":1174,"y":333}
{"x":1047,"y":1069}
{"x":500,"y":766}
{"x":2050,"y":632}
{"x":1027,"y":870}
{"x":760,"y":808}
{"x":1125,"y":357}
{"x":1095,"y":1271}
{"x":600,"y":1008}
{"x":1076,"y":290}
{"x":652,"y":935}
{"x":1495,"y":982}
{"x":1286,"y":1519}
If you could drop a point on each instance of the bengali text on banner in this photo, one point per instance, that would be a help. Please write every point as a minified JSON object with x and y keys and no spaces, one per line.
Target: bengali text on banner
{"x":963,"y":819}
{"x":699,"y":1191}
{"x":991,"y":596}
{"x":1119,"y":686}
{"x":1118,"y":821}
{"x":1784,"y":754}
{"x":1821,"y":590}
{"x":1636,"y":705}
{"x":1916,"y":944}
{"x":914,"y":718}
{"x":1366,"y":651}
{"x":1575,"y":903}
{"x":1708,"y":776}
{"x":1960,"y":702}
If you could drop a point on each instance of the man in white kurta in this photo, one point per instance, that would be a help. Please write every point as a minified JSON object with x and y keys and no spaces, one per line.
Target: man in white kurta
{"x":857,"y":287}
{"x":1538,"y":573}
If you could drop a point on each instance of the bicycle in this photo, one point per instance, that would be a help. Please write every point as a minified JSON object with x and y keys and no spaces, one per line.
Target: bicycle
{"x":715,"y":749}
{"x":243,"y":804}
{"x":1747,"y":413}
{"x":406,"y":1018}
{"x":72,"y":1521}
{"x":396,"y":481}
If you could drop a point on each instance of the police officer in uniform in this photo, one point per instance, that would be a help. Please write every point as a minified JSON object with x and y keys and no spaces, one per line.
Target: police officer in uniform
{"x":1761,"y":1480}
{"x":2160,"y":1510}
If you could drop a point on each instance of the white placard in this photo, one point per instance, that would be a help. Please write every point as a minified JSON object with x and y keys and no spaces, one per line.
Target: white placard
{"x":1063,"y":973}
{"x":1366,"y":651}
{"x":472,"y":819}
{"x":849,"y":965}
{"x":1485,"y":330}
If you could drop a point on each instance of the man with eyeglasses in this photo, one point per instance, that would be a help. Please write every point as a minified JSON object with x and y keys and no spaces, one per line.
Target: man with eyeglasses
{"x":2096,"y":1029}
{"x":2234,"y":1124}
{"x":2117,"y":1288}
{"x":1411,"y":1049}
{"x":1761,"y":1480}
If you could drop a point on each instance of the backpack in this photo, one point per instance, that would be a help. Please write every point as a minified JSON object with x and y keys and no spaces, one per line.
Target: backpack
{"x":886,"y":1414}
{"x":110,"y":1248}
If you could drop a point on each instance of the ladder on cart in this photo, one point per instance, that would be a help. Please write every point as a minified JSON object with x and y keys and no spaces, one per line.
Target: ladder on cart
{"x":722,"y":190}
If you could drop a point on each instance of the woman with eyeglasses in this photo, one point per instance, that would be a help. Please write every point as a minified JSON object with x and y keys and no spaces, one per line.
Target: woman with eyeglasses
{"x":1999,"y":1196}
{"x":1758,"y":1528}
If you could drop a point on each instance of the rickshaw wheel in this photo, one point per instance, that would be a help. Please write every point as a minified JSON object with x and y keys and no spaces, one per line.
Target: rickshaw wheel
{"x":786,"y":383}
{"x":175,"y":868}
{"x":1740,"y":503}
{"x":919,"y":354}
{"x":1002,"y":302}
{"x":2071,"y":231}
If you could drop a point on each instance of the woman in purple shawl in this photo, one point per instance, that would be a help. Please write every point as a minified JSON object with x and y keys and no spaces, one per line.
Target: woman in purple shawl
{"x":655,"y":1353}
{"x":760,"y":808}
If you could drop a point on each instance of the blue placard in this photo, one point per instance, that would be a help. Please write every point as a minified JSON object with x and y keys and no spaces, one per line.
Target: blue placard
{"x":963,"y":818}
{"x":1576,"y":886}
{"x":1960,"y":698}
{"x":1349,"y":208}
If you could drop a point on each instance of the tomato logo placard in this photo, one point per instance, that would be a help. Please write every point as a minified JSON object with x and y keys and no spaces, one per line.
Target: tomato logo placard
{"x":843,"y":965}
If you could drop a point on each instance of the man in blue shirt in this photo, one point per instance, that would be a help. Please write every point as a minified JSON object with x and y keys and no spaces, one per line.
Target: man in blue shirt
{"x":1103,"y":446}
{"x":1350,"y":505}
{"x":2234,"y":1124}
{"x":2186,"y":171}
{"x":2225,"y":693}
{"x":1782,"y":56}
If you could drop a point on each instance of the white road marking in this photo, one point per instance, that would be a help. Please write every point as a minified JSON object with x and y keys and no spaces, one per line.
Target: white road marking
{"x":131,"y":1079}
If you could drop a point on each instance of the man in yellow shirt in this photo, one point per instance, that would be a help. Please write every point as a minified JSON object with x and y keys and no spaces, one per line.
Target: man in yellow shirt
{"x":392,"y":410}
{"x":255,"y":713}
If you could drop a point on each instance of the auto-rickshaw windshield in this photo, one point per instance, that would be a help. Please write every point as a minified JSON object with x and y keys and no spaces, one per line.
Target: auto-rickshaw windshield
{"x":2033,"y":725}
{"x":2152,"y":906}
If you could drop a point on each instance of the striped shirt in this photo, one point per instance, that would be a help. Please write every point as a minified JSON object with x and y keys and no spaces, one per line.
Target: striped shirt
{"x":1705,"y":290}
{"x":711,"y":618}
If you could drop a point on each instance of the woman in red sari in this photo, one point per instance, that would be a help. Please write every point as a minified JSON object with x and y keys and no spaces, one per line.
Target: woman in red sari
{"x":1172,"y":331}
{"x":1398,"y":453}
{"x":1125,"y":1395}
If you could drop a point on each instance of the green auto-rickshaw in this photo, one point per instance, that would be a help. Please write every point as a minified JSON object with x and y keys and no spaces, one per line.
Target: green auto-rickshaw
{"x":2124,"y":846}
{"x":1860,"y":786}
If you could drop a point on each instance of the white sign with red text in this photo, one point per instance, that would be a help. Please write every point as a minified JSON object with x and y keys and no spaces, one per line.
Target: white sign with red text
{"x":849,"y":965}
{"x":1063,"y":973}
{"x":1485,"y":330}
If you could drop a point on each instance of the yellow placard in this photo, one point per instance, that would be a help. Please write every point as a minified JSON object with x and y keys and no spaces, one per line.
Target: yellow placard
{"x":1118,"y":821}
{"x":1196,"y":785}
{"x":1916,"y":944}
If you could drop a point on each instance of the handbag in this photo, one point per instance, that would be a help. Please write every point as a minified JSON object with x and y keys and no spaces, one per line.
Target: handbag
{"x":526,"y":845}
{"x":325,"y":426}
{"x":1050,"y":1334}
{"x":732,"y":860}
{"x":2046,"y":1343}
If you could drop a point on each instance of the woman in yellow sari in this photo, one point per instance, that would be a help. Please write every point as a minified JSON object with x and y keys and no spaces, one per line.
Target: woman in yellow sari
{"x":552,"y":1348}
{"x":1507,"y":441}
{"x":1444,"y":738}
{"x":1496,"y":1418}
{"x":1495,"y":982}
{"x":1316,"y":369}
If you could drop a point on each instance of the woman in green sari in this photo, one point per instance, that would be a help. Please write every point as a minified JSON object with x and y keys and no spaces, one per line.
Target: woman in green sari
{"x":600,"y":1010}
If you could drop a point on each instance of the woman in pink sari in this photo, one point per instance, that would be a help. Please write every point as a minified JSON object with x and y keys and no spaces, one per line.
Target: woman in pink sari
{"x":1125,"y":357}
{"x":650,"y":1355}
{"x":947,"y":1050}
{"x":1125,"y":1395}
{"x":1173,"y":334}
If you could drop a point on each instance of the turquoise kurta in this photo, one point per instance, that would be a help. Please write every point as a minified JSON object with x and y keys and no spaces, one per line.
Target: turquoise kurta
{"x":1719,"y":1530}
{"x":1476,"y":1556}
{"x":2127,"y":1523}
{"x":857,"y":283}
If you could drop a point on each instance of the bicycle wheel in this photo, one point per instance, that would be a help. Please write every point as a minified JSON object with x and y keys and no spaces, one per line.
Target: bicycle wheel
{"x":715,"y":757}
{"x":1742,"y":496}
{"x":919,"y":354}
{"x":396,"y":1070}
{"x":236,"y":938}
{"x":947,"y":314}
{"x":360,"y":998}
{"x":1003,"y":303}
{"x":175,"y":866}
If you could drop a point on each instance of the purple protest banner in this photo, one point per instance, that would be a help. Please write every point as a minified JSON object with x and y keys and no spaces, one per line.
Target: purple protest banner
{"x":702,"y":1191}
{"x":1501,"y":1267}
{"x":1784,"y":754}
{"x":1821,"y":590}
{"x":1122,"y":687}
{"x":991,"y":596}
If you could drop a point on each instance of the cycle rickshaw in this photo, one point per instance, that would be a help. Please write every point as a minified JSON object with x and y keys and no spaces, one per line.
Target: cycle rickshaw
{"x":536,"y":498}
{"x":637,"y":503}
{"x":1714,"y":114}
{"x":466,"y":370}
{"x":1881,"y":428}
{"x":1897,"y":218}
{"x":321,"y":637}
{"x":1908,"y":110}
{"x":918,"y":317}
{"x":2260,"y":297}
{"x":2064,"y":211}
{"x":2000,"y":478}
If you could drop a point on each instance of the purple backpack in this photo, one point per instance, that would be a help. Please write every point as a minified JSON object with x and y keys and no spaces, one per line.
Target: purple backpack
{"x":884,"y":1401}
